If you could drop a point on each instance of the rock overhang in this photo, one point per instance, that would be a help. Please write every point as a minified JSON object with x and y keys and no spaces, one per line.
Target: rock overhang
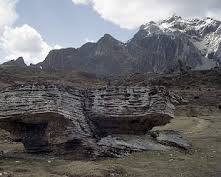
{"x":139,"y":124}
{"x":52,"y":118}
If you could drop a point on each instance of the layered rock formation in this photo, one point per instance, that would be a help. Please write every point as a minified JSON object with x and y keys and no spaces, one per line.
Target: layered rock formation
{"x":65,"y":119}
{"x":157,"y":47}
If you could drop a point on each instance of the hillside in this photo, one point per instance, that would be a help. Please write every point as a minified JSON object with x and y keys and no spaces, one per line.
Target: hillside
{"x":14,"y":75}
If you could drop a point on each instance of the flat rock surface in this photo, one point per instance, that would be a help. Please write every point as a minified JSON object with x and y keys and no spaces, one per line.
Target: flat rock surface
{"x":171,"y":138}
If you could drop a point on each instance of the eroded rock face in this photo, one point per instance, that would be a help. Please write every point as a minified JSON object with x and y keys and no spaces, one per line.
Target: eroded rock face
{"x":128,"y":110}
{"x":60,"y":120}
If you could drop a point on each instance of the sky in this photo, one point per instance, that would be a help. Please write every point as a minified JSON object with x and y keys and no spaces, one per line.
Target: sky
{"x":31,"y":28}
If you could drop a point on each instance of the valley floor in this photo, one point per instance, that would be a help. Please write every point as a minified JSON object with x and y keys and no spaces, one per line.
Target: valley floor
{"x":204,"y":132}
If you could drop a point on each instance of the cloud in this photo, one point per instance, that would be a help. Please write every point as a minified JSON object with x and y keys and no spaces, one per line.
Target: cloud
{"x":20,"y":41}
{"x":24,"y":41}
{"x":7,"y":12}
{"x":88,"y":40}
{"x":81,"y":1}
{"x":132,"y":13}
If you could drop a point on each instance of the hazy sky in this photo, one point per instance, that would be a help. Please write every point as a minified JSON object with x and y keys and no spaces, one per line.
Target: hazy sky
{"x":31,"y":28}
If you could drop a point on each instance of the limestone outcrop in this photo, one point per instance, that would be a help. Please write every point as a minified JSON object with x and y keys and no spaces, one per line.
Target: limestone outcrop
{"x":61,"y":119}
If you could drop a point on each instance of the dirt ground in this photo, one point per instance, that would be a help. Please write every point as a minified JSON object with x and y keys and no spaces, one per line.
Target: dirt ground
{"x":204,"y":132}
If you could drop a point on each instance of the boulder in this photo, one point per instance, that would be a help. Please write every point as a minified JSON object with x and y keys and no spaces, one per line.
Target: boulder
{"x":122,"y":145}
{"x":171,"y":138}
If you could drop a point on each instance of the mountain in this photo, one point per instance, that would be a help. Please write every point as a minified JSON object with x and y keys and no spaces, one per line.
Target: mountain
{"x":200,"y":38}
{"x":18,"y":62}
{"x":106,"y":56}
{"x":162,"y":46}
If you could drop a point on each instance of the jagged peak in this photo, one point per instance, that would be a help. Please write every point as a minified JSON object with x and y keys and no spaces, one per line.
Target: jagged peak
{"x":177,"y":23}
{"x":173,"y":18}
{"x":170,"y":19}
{"x":144,"y":26}
{"x":20,"y":59}
{"x":17,"y":62}
{"x":108,"y":38}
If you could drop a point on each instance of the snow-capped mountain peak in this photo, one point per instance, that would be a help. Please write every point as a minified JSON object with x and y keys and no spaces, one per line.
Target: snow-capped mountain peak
{"x":205,"y":33}
{"x":177,"y":23}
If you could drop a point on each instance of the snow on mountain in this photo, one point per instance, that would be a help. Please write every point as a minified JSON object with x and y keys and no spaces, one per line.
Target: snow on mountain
{"x":159,"y":47}
{"x":205,"y":34}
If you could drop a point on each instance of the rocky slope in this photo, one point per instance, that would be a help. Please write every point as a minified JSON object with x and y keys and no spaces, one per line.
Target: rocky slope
{"x":13,"y":75}
{"x":157,"y":47}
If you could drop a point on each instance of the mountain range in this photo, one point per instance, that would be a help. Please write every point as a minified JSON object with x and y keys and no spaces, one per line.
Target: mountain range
{"x":158,"y":47}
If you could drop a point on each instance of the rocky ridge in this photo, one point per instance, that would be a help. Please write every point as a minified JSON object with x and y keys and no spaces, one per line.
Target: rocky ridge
{"x":157,"y":47}
{"x":18,"y":62}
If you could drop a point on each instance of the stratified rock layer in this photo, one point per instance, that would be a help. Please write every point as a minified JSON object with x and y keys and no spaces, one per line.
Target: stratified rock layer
{"x":132,"y":110}
{"x":63,"y":119}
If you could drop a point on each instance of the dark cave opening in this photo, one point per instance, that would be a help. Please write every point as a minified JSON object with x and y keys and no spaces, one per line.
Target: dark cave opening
{"x":35,"y":138}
